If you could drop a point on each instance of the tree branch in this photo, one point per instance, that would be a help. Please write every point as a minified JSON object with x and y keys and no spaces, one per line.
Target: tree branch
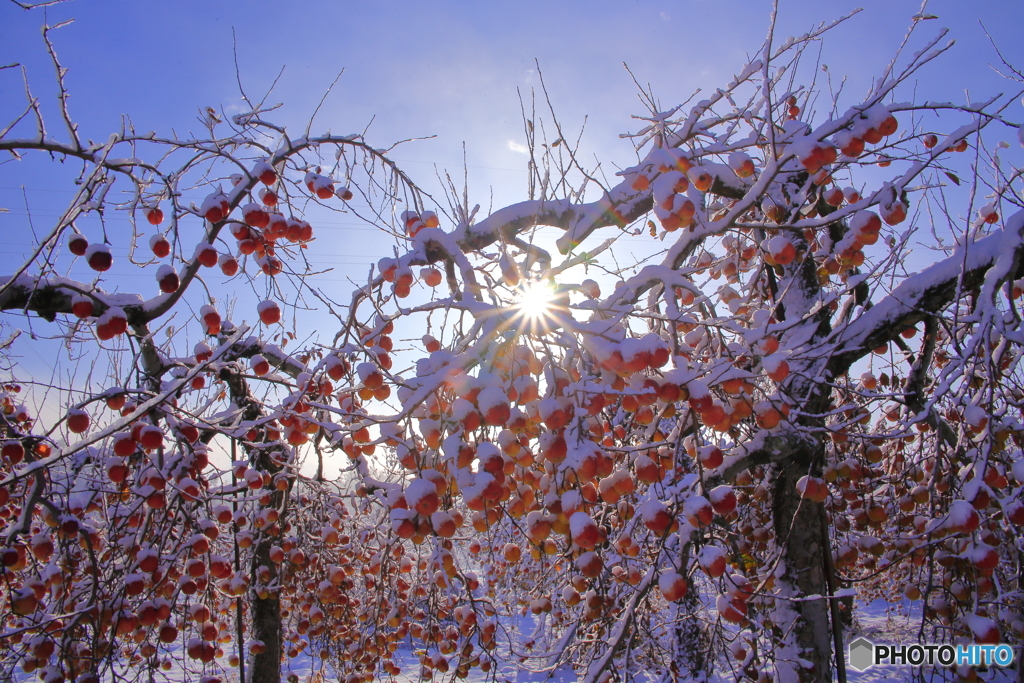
{"x":930,"y":290}
{"x":621,"y":630}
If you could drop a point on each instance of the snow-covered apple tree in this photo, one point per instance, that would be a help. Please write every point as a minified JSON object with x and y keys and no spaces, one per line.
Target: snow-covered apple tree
{"x":685,"y":467}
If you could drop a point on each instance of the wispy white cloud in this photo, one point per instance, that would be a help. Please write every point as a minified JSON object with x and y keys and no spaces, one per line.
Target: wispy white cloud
{"x":518,"y":147}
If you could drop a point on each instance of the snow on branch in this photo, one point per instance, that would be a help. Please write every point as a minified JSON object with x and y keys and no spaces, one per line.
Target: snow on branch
{"x":928,"y":291}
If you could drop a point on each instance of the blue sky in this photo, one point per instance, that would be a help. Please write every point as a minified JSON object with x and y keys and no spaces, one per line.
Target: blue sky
{"x":448,"y":69}
{"x":451,"y":69}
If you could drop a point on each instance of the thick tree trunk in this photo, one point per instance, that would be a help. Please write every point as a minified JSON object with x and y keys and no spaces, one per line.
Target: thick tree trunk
{"x":266,"y":623}
{"x":800,"y":623}
{"x":264,"y":667}
{"x":266,"y":612}
{"x":690,"y":641}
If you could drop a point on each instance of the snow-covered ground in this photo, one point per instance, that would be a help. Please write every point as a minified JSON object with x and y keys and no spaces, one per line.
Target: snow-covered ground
{"x":882,"y":622}
{"x":878,"y":621}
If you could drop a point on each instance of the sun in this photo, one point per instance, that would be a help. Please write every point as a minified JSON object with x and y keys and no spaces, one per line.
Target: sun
{"x":536,"y":302}
{"x":535,"y":299}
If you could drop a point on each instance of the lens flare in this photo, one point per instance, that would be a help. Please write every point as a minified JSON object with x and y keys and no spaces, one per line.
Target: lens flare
{"x":535,"y":305}
{"x":535,"y":300}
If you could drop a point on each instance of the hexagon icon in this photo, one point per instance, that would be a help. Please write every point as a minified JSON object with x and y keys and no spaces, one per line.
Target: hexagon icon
{"x":861,"y":654}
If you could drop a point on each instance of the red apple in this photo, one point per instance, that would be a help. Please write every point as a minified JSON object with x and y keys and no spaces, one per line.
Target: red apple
{"x":228,"y":265}
{"x":215,"y":207}
{"x":431,"y":277}
{"x":99,"y":258}
{"x":168,"y":279}
{"x":151,"y":437}
{"x":159,"y":245}
{"x":77,"y":244}
{"x":712,"y":560}
{"x":711,"y":457}
{"x":656,"y":516}
{"x":268,"y":197}
{"x":78,"y":421}
{"x":13,"y":451}
{"x":698,"y":510}
{"x":81,"y":306}
{"x":590,"y":564}
{"x":254,"y":215}
{"x":124,"y":444}
{"x":723,"y":499}
{"x":259,"y":365}
{"x":673,"y":585}
{"x":337,"y":367}
{"x":584,"y":530}
{"x":211,"y":319}
{"x":265,"y":172}
{"x":269,"y":312}
{"x":733,"y":611}
{"x":117,"y":471}
{"x":202,"y":352}
{"x":206,"y":254}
